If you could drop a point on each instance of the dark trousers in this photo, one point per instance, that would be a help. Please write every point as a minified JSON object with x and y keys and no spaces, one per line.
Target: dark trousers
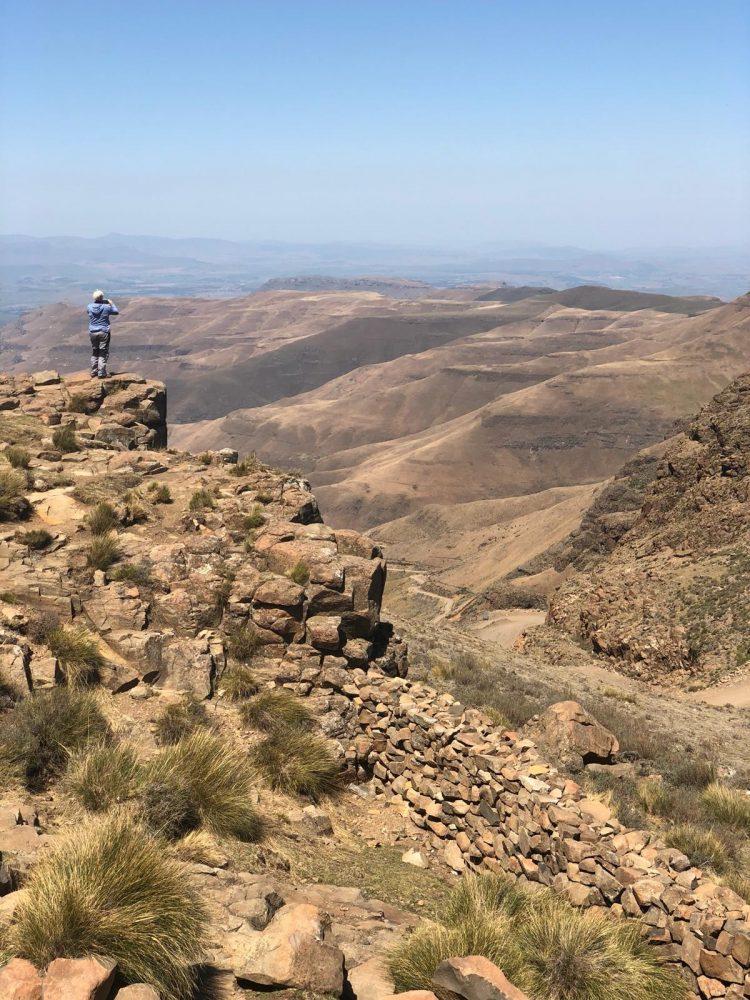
{"x":99,"y":353}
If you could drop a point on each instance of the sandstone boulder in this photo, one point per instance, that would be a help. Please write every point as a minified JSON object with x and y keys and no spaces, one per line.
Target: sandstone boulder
{"x":79,"y":978}
{"x":572,"y":732}
{"x":475,"y":978}
{"x":20,"y":980}
{"x":138,"y":991}
{"x":371,"y":980}
{"x":292,"y":952}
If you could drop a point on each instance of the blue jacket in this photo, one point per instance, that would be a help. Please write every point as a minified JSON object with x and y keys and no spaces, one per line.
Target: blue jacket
{"x":99,"y":313}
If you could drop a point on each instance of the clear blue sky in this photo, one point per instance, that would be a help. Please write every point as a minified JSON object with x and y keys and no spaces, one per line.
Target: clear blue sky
{"x":604,"y":123}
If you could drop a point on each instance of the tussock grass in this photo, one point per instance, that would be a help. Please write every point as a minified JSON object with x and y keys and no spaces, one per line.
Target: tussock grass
{"x":78,"y":655}
{"x":179,"y":719}
{"x":159,"y":492}
{"x":202,"y":499}
{"x":111,"y":889}
{"x":264,"y":498}
{"x":19,"y":458}
{"x":103,"y":776}
{"x":64,"y":439}
{"x":214,"y":784}
{"x":300,"y":573}
{"x":78,"y":403}
{"x":199,"y":847}
{"x":44,"y":729}
{"x":246,"y":465}
{"x":297,"y":762}
{"x":243,"y":642}
{"x":727,"y":805}
{"x":103,"y":552}
{"x":12,"y":488}
{"x":99,"y":488}
{"x":238,"y":682}
{"x":546,"y":947}
{"x":274,"y":709}
{"x":36,"y":538}
{"x":255,"y":519}
{"x":102,"y":518}
{"x":138,"y":573}
{"x":704,"y":847}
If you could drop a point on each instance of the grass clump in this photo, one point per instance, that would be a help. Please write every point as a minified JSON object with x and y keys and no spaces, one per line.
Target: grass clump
{"x":159,"y":492}
{"x":704,"y":847}
{"x":211,"y":783}
{"x":36,"y":538}
{"x":137,"y":573}
{"x":110,"y":889}
{"x":65,"y":440}
{"x":13,"y":503}
{"x":202,"y":499}
{"x":103,"y":552}
{"x":77,"y":652}
{"x":275,"y":709}
{"x":546,"y":947}
{"x":102,"y":518}
{"x":297,"y":762}
{"x":255,"y":519}
{"x":99,"y":488}
{"x":300,"y":573}
{"x":243,"y":643}
{"x":103,"y":776}
{"x":727,"y":805}
{"x":247,"y":465}
{"x":179,"y":719}
{"x":19,"y":458}
{"x":44,"y":729}
{"x":264,"y":498}
{"x":238,"y":683}
{"x":205,"y":457}
{"x":78,"y":403}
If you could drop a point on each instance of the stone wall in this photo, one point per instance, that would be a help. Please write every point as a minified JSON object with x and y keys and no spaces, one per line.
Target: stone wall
{"x":491,"y":801}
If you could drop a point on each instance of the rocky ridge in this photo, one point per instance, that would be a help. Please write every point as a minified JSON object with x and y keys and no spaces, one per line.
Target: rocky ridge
{"x":234,"y":545}
{"x":662,"y":596}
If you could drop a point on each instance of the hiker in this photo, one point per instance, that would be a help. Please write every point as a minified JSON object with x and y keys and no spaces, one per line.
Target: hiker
{"x":99,"y":312}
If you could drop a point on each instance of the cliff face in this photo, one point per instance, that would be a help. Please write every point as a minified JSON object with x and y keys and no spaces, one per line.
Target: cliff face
{"x":667,"y":601}
{"x":206,"y":549}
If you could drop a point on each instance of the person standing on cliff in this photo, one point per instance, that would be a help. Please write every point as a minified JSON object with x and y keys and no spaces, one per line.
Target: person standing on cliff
{"x":99,"y":312}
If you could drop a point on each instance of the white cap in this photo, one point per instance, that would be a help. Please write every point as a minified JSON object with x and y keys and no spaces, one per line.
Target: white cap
{"x":98,"y":295}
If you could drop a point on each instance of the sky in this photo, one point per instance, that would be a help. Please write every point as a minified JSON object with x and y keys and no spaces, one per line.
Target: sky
{"x":601,"y":124}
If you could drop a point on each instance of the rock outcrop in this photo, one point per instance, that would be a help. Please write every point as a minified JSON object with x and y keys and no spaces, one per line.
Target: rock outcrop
{"x":666,"y":601}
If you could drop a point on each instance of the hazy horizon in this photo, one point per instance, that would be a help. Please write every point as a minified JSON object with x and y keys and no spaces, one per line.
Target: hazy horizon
{"x":428,"y":123}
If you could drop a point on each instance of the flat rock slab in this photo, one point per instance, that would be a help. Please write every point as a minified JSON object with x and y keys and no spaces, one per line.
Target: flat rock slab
{"x":79,"y":978}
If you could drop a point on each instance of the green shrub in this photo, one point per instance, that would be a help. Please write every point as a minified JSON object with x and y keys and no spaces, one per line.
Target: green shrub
{"x":243,"y":643}
{"x":111,"y":889}
{"x":36,"y":538}
{"x":44,"y":729}
{"x":297,"y":762}
{"x":300,"y":573}
{"x":255,"y":519}
{"x":727,"y":805}
{"x":238,"y":683}
{"x":160,"y":493}
{"x":103,"y":552}
{"x":202,"y":499}
{"x":274,"y":709}
{"x":18,"y":457}
{"x":137,"y":573}
{"x":102,"y":518}
{"x":103,"y":775}
{"x":179,"y":719}
{"x":213,"y":782}
{"x":65,"y":440}
{"x":77,"y":652}
{"x":13,"y":502}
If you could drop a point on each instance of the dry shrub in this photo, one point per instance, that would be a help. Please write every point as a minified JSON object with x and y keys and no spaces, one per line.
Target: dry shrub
{"x":202,"y":499}
{"x":274,"y":709}
{"x":103,"y":552}
{"x":102,"y":518}
{"x":77,"y":652}
{"x":138,"y":573}
{"x":13,"y":503}
{"x":297,"y":762}
{"x":18,"y":457}
{"x":179,"y":719}
{"x":159,"y":493}
{"x":238,"y":682}
{"x":214,"y":784}
{"x":111,"y":889}
{"x":65,"y":440}
{"x":44,"y":729}
{"x":36,"y":538}
{"x":103,"y":776}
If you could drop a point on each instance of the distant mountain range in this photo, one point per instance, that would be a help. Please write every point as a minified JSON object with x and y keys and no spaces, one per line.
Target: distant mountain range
{"x":38,"y":270}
